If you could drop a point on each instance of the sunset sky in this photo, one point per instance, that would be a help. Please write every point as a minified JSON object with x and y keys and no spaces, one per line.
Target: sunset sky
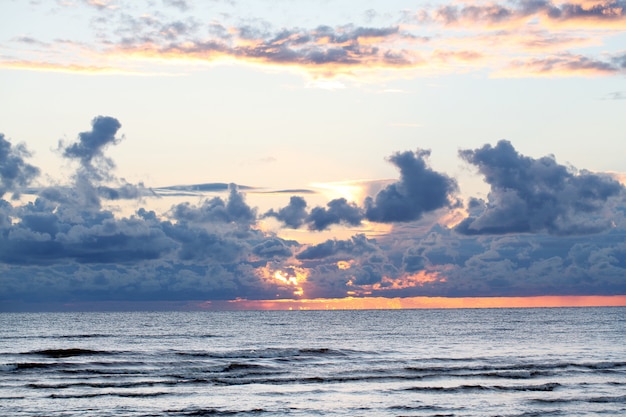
{"x":257,"y":152}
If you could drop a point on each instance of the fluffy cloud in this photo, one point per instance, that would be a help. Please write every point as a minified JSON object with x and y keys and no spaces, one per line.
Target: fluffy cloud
{"x":234,"y":210}
{"x":419,"y":190}
{"x":14,"y":171}
{"x":292,"y":215}
{"x":91,"y":144}
{"x":338,"y":211}
{"x":537,"y":195}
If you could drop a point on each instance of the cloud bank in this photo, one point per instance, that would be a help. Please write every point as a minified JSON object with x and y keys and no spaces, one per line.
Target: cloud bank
{"x":544,"y":229}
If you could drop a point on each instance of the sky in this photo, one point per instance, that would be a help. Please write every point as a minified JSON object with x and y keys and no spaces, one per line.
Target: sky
{"x":312,"y":154}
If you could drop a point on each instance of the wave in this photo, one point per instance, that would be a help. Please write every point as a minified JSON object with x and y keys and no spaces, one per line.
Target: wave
{"x":550,"y":386}
{"x":111,"y":394}
{"x":421,"y":407}
{"x":8,"y":367}
{"x":618,"y":399}
{"x":63,"y":336}
{"x":199,"y":412}
{"x":101,"y":385}
{"x":65,"y":353}
{"x":516,"y":371}
{"x":269,"y":353}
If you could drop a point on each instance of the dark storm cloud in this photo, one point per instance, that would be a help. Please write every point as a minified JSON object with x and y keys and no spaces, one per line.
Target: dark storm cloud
{"x":537,"y":195}
{"x":419,"y":190}
{"x":15,"y":173}
{"x":293,"y":215}
{"x":337,"y":211}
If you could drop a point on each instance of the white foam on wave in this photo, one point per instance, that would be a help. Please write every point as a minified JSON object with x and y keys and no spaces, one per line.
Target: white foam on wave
{"x":7,"y":367}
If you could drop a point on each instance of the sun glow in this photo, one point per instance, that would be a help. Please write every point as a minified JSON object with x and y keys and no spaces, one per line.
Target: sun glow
{"x":287,"y":278}
{"x":344,"y":264}
{"x":350,"y":190}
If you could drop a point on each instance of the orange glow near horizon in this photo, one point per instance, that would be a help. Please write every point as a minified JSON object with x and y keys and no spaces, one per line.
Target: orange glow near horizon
{"x":382,"y":303}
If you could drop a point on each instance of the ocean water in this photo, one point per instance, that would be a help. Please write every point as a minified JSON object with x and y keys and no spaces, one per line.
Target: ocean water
{"x":483,"y":362}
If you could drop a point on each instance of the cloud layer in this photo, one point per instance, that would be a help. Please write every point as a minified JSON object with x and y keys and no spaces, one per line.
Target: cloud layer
{"x":505,"y":38}
{"x":545,"y":229}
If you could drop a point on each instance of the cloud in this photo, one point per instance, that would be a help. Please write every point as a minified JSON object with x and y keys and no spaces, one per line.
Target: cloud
{"x":101,"y":4}
{"x":338,"y":211}
{"x":523,"y":11}
{"x":357,"y":245}
{"x":182,"y":5}
{"x":15,"y":173}
{"x":507,"y":38}
{"x":323,"y":47}
{"x":616,"y":95}
{"x":530,"y":236}
{"x":272,"y":249}
{"x":233,"y":210}
{"x":49,"y":233}
{"x":444,"y":263}
{"x":91,"y":144}
{"x":565,"y":64}
{"x":198,"y":244}
{"x":293,"y":215}
{"x":419,"y":190}
{"x":197,"y":189}
{"x":537,"y":195}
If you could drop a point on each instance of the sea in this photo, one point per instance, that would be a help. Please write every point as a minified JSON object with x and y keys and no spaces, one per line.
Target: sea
{"x":453,"y":362}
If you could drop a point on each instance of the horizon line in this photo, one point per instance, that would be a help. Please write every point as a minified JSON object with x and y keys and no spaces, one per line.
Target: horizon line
{"x":321,"y":304}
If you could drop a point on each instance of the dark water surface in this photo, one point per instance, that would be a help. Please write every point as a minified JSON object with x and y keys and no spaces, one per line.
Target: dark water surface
{"x":486,"y":362}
